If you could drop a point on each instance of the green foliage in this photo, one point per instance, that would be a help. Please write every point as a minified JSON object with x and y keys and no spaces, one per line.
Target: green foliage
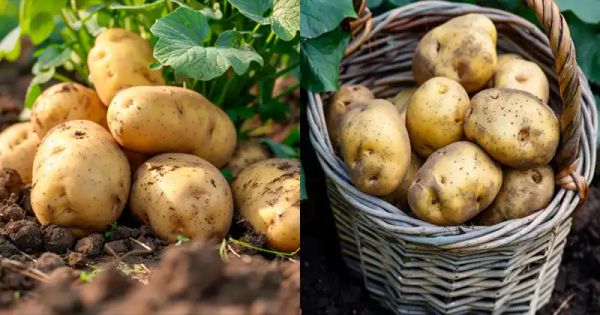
{"x":10,"y":46}
{"x":88,"y":276}
{"x":322,"y":16}
{"x":281,"y":150}
{"x":321,"y":58}
{"x":181,"y":239}
{"x":284,"y":18}
{"x":37,"y":18}
{"x":227,"y":174}
{"x":586,"y":10}
{"x":113,"y":227}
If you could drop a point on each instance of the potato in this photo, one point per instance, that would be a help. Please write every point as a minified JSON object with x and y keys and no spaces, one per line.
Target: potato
{"x":80,"y":178}
{"x":514,"y":127}
{"x":163,"y":119}
{"x":337,"y":107}
{"x":182,"y":194}
{"x":462,"y":49}
{"x":402,"y":99}
{"x":118,"y":60}
{"x":503,"y":58}
{"x":522,"y":193}
{"x":399,"y":197}
{"x":375,"y":146}
{"x":267,"y":195}
{"x":18,"y":144}
{"x":246,"y":153}
{"x":454,"y":185}
{"x":66,"y":101}
{"x":435,"y":114}
{"x":135,"y":159}
{"x":519,"y":74}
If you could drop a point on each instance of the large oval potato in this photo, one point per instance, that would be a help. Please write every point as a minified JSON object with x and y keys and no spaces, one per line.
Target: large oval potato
{"x":522,"y":193}
{"x":18,"y":144}
{"x":435,"y":115}
{"x":455,"y":184}
{"x":118,"y":60}
{"x":182,"y":194}
{"x":162,"y":119}
{"x":514,"y":127}
{"x":66,"y":101}
{"x":80,"y":178}
{"x":375,"y":146}
{"x":267,"y":195}
{"x":399,"y":197}
{"x":515,"y":73}
{"x":246,"y":153}
{"x":338,"y":104}
{"x":462,"y":49}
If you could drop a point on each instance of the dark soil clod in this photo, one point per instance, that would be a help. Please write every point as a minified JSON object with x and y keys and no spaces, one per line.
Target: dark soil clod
{"x":12,"y":212}
{"x":49,"y":262}
{"x":25,"y":234}
{"x":57,"y":239}
{"x":76,"y":260}
{"x":10,"y":183}
{"x":91,"y":245}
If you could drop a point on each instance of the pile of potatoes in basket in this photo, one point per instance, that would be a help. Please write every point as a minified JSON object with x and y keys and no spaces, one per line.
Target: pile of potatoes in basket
{"x":135,"y":141}
{"x":472,"y":141}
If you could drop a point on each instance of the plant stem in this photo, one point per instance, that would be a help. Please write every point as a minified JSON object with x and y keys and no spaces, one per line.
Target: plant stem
{"x":286,"y":70}
{"x":270,"y":38}
{"x":61,"y":77}
{"x":224,"y":91}
{"x":288,"y":91}
{"x":264,"y":250}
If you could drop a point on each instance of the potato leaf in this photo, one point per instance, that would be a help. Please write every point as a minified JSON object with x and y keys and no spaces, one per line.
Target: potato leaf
{"x":315,"y":23}
{"x":284,"y":16}
{"x":10,"y":46}
{"x":36,"y":18}
{"x":180,"y":37}
{"x":320,"y":60}
{"x":53,"y":56}
{"x":586,"y":10}
{"x":586,"y":38}
{"x":280,"y":150}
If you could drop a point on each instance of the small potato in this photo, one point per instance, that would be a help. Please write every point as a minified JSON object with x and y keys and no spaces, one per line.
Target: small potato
{"x":399,"y":197}
{"x":462,"y":49}
{"x":267,"y":195}
{"x":375,"y":146}
{"x":118,"y":60}
{"x":337,"y":107}
{"x":66,"y":101}
{"x":182,"y":194}
{"x":402,"y":99}
{"x":80,"y":178}
{"x":514,"y":127}
{"x":246,"y":153}
{"x":454,"y":185}
{"x":522,"y":75}
{"x":522,"y":193}
{"x":435,"y":115}
{"x":163,"y":119}
{"x":18,"y":144}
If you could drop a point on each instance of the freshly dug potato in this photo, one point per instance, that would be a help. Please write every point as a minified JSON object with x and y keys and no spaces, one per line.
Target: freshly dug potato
{"x":66,"y":101}
{"x":375,"y":146}
{"x":246,"y":153}
{"x":402,"y":99}
{"x":522,"y":193}
{"x":162,"y":119}
{"x":455,"y":184}
{"x":399,"y":197}
{"x":503,"y":58}
{"x":515,"y":73}
{"x":118,"y":60}
{"x":337,"y":107}
{"x":80,"y":178}
{"x":435,"y":115}
{"x":514,"y":127}
{"x":462,"y":49}
{"x":182,"y":194}
{"x":267,"y":195}
{"x":18,"y":144}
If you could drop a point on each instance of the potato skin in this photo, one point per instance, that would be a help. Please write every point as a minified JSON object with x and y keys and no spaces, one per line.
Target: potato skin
{"x":514,"y":127}
{"x":80,"y":178}
{"x":348,"y":94}
{"x":462,"y":49}
{"x":375,"y":146}
{"x":519,"y":74}
{"x":399,"y":197}
{"x":18,"y":144}
{"x":522,"y":193}
{"x":162,"y":119}
{"x":66,"y":101}
{"x":454,"y":185}
{"x":435,"y":115}
{"x":401,"y":101}
{"x":118,"y":60}
{"x":267,"y":195}
{"x":246,"y":153}
{"x":182,"y":194}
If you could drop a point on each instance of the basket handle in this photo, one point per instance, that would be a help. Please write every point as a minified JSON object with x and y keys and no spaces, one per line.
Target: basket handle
{"x":565,"y":62}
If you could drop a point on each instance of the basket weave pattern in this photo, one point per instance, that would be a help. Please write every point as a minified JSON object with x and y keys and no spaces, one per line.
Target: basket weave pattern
{"x":414,"y":267}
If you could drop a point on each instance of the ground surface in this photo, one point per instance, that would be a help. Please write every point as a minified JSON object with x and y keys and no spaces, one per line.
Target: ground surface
{"x":327,"y":287}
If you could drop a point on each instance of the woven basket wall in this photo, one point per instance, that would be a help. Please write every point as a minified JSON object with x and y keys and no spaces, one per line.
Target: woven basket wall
{"x":413,"y":267}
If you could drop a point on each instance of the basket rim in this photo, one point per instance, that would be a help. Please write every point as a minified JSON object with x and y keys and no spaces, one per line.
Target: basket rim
{"x":396,"y":222}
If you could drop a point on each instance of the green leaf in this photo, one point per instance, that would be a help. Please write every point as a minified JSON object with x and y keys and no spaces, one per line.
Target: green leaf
{"x":280,"y":150}
{"x":36,"y":18}
{"x":33,"y":91}
{"x":53,"y":56}
{"x":274,"y":109}
{"x":320,"y":60}
{"x":587,"y":39}
{"x":321,"y":16}
{"x":240,"y":113}
{"x":303,"y":195}
{"x":293,"y":137}
{"x":284,"y":18}
{"x":181,"y":239}
{"x":227,"y":174}
{"x":586,"y":10}
{"x":10,"y":46}
{"x":181,"y":34}
{"x":213,"y":13}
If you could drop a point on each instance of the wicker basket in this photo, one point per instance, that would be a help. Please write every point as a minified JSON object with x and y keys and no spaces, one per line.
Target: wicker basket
{"x":413,"y":267}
